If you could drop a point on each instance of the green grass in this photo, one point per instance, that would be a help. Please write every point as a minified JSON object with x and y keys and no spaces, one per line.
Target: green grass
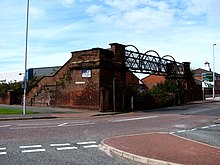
{"x":7,"y":111}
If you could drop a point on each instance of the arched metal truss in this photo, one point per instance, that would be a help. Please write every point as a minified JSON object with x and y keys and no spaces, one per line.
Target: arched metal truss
{"x":149,"y":64}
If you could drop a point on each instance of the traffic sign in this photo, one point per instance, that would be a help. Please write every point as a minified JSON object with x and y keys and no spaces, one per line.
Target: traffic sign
{"x":207,"y":77}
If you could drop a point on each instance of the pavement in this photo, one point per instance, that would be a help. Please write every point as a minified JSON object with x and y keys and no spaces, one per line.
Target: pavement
{"x":147,"y":148}
{"x":161,"y":149}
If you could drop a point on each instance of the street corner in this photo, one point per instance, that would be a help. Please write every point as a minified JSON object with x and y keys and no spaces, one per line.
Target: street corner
{"x":129,"y":147}
{"x":160,"y":149}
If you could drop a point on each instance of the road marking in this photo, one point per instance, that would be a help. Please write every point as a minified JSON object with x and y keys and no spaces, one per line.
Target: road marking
{"x":35,"y":150}
{"x":3,"y":153}
{"x":181,"y":131}
{"x":66,"y":148}
{"x":57,"y":145}
{"x":60,"y":125}
{"x":33,"y":146}
{"x":84,"y":143}
{"x":82,"y":124}
{"x":91,"y":146}
{"x":132,"y":119}
{"x":193,"y":129}
{"x":34,"y":127}
{"x":48,"y":124}
{"x":3,"y":126}
{"x":205,"y":127}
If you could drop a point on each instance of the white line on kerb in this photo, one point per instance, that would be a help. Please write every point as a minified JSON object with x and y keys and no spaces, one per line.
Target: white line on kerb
{"x":66,"y":148}
{"x":3,"y":153}
{"x":91,"y":146}
{"x":62,"y":124}
{"x":33,"y":146}
{"x":56,"y":145}
{"x":84,"y":143}
{"x":36,"y":150}
{"x":2,"y":148}
{"x":131,"y":119}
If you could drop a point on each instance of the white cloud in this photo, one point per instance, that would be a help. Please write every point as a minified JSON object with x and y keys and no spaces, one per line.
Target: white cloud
{"x":94,"y":9}
{"x":209,"y":8}
{"x":67,"y":3}
{"x":36,"y":12}
{"x":135,"y":16}
{"x":185,"y":29}
{"x":123,"y":5}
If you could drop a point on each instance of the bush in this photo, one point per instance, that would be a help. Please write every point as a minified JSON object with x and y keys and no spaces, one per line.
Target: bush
{"x":162,"y":95}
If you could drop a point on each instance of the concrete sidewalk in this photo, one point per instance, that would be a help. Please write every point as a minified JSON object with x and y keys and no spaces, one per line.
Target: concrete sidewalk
{"x":51,"y":112}
{"x":162,"y":149}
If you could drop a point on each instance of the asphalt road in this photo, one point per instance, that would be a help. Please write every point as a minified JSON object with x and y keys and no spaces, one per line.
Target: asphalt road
{"x":71,"y":141}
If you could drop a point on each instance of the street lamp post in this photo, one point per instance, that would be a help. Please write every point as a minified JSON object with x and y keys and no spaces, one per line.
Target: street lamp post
{"x":25,"y":60}
{"x":213,"y":93}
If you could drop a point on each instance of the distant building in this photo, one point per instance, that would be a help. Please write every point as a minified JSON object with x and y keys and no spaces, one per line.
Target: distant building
{"x":44,"y":71}
{"x":17,"y":76}
{"x":152,"y":80}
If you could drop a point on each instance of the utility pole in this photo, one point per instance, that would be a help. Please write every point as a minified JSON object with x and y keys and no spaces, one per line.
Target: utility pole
{"x":213,"y":71}
{"x":25,"y":60}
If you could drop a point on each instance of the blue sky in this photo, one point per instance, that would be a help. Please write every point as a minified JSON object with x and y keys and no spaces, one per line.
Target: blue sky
{"x":185,"y":29}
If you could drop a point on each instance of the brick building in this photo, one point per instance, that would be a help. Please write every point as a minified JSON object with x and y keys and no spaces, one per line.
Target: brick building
{"x":153,"y":80}
{"x":90,"y":79}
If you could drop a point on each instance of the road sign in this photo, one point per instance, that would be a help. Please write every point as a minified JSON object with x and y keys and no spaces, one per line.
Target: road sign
{"x":207,"y":77}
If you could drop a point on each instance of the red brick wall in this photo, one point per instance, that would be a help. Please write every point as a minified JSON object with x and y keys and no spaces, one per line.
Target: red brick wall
{"x":67,"y":88}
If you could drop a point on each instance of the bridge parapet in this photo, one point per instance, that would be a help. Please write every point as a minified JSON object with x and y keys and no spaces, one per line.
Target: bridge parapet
{"x":148,"y":63}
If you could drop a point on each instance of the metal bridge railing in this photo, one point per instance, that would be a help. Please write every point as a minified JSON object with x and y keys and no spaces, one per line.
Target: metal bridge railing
{"x":149,"y":64}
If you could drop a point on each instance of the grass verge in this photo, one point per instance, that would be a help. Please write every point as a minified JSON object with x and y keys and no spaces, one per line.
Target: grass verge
{"x":7,"y":111}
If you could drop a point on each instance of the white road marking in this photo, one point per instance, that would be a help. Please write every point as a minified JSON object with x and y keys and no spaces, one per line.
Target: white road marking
{"x":193,"y":129}
{"x":62,"y":124}
{"x":35,"y":150}
{"x":57,"y":145}
{"x":181,"y":131}
{"x":205,"y":127}
{"x":33,"y":146}
{"x":66,"y":148}
{"x":84,"y":143}
{"x":74,"y":125}
{"x":33,"y":127}
{"x":3,"y":153}
{"x":132,"y":119}
{"x":49,"y":124}
{"x":80,"y":124}
{"x":91,"y":146}
{"x":3,"y":126}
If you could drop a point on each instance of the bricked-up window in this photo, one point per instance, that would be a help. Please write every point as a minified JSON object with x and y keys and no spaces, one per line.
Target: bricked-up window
{"x":86,"y":73}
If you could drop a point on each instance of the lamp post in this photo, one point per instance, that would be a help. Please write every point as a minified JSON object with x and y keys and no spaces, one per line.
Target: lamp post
{"x":213,"y":93}
{"x":25,"y":60}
